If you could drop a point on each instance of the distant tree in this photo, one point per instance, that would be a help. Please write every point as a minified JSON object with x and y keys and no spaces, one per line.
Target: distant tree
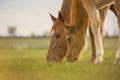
{"x":12,"y":31}
{"x":106,"y":34}
{"x":32,"y":35}
{"x":45,"y":34}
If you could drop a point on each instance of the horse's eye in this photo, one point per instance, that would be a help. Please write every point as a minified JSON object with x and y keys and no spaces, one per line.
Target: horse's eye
{"x":57,"y":36}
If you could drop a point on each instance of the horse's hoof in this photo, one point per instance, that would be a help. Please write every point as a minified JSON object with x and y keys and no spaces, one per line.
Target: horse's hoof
{"x":92,"y":60}
{"x":98,"y":61}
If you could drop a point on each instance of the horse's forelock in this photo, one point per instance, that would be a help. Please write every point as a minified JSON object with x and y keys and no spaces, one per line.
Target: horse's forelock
{"x":53,"y":29}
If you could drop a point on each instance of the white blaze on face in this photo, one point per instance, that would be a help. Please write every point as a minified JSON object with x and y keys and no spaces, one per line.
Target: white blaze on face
{"x":52,"y":32}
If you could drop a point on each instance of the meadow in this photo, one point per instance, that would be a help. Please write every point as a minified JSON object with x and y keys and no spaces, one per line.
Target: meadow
{"x":24,"y":59}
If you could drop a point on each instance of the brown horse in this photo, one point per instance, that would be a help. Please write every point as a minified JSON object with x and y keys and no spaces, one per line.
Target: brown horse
{"x":57,"y":52}
{"x":76,"y":30}
{"x":58,"y":46}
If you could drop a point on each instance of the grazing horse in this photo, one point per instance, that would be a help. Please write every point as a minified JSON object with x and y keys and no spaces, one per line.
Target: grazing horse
{"x":81,"y":11}
{"x":76,"y":30}
{"x":58,"y":46}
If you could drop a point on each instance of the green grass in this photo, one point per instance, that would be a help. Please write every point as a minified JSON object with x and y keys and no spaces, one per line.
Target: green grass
{"x":30,"y":64}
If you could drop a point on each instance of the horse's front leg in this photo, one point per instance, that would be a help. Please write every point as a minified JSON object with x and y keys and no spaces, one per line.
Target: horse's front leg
{"x":92,"y":45}
{"x":117,"y":56}
{"x":117,"y":8}
{"x":95,"y":26}
{"x":103,"y":13}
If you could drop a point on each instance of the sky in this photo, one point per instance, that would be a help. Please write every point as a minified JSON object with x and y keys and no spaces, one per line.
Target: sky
{"x":32,"y":16}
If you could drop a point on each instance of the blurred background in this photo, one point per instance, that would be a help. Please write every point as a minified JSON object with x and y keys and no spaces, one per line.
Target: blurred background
{"x":26,"y":23}
{"x":28,"y":17}
{"x":31,"y":18}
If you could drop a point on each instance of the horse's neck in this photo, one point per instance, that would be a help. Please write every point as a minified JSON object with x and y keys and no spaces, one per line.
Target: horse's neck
{"x":78,"y":14}
{"x":65,"y":9}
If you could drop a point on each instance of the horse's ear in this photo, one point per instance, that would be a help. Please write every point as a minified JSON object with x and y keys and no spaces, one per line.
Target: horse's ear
{"x":52,"y":17}
{"x":66,"y":26}
{"x":60,"y":16}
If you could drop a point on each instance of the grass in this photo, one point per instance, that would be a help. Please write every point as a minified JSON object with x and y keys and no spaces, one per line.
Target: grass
{"x":11,"y":43}
{"x":30,"y":64}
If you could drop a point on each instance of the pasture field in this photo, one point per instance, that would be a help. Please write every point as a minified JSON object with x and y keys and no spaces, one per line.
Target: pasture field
{"x":24,"y":59}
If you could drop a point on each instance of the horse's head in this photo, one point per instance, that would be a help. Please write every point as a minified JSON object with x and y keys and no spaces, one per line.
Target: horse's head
{"x":75,"y":42}
{"x":76,"y":35}
{"x":58,"y":47}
